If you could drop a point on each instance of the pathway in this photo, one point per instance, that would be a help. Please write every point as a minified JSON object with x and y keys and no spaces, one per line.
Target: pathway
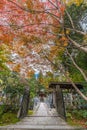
{"x":43,"y":119}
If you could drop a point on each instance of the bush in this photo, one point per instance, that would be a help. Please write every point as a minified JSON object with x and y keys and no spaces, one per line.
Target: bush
{"x":8,"y":118}
{"x":69,"y":115}
{"x":80,"y":114}
{"x":8,"y":108}
{"x":31,"y":104}
{"x":2,"y":108}
{"x":7,"y":115}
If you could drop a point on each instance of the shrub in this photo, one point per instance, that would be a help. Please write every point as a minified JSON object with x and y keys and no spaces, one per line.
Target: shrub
{"x":80,"y":114}
{"x":8,"y":118}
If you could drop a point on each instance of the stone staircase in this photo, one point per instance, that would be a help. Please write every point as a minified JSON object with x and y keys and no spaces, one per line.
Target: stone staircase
{"x":43,"y":119}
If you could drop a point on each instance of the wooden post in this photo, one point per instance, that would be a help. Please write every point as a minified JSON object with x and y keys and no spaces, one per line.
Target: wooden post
{"x":54,"y":98}
{"x":24,"y":104}
{"x":60,"y":103}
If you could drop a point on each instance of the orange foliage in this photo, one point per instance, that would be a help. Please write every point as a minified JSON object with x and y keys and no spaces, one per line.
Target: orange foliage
{"x":30,"y":73}
{"x":28,"y":24}
{"x":6,"y":38}
{"x":17,"y":68}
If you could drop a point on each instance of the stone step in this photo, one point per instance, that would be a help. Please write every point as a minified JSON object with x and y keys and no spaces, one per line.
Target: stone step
{"x":39,"y":127}
{"x":41,"y":123}
{"x":41,"y":120}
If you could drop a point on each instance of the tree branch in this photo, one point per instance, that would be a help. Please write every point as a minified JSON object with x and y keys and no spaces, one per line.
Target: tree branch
{"x":78,"y":31}
{"x":81,"y":71}
{"x":53,"y":4}
{"x":84,"y":49}
{"x":78,"y":91}
{"x":70,"y":19}
{"x":69,"y":79}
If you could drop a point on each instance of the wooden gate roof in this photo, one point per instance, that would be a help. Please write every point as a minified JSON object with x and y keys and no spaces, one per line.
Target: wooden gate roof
{"x":65,"y":85}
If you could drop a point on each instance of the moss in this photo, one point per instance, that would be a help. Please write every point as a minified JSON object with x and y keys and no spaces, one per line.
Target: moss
{"x":8,"y":118}
{"x":30,"y":112}
{"x":72,"y":123}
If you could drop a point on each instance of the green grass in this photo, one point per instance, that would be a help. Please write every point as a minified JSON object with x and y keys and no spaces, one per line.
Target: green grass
{"x":30,"y":112}
{"x":78,"y":118}
{"x":8,"y":118}
{"x":72,"y":123}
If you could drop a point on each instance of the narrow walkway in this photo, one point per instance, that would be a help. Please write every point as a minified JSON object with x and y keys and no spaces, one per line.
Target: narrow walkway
{"x":43,"y":119}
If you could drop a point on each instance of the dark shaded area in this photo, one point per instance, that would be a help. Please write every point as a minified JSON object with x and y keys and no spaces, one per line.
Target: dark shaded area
{"x":65,"y":85}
